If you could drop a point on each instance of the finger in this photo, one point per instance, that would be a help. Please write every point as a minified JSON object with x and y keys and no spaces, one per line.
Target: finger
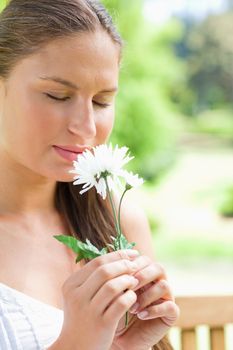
{"x":168,"y":311}
{"x":143,"y":289}
{"x":156,"y":291}
{"x":142,"y":262}
{"x":120,"y":306}
{"x":105,"y":273}
{"x":149,"y":273}
{"x":80,"y":276}
{"x":111,"y":290}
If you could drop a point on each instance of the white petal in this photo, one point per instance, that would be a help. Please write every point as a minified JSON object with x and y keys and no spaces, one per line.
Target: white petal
{"x":103,"y":158}
{"x":133,"y":180}
{"x":101,"y":188}
{"x":85,"y":189}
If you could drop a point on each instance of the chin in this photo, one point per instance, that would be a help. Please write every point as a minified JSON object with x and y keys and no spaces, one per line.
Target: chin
{"x":65,"y":178}
{"x":60,"y":174}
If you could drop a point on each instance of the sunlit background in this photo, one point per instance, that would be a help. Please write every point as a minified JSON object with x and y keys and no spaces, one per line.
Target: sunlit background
{"x":160,"y":12}
{"x":175,"y":113}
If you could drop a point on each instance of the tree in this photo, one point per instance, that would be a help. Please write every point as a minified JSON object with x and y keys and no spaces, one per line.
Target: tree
{"x":150,"y":74}
{"x":210,"y":61}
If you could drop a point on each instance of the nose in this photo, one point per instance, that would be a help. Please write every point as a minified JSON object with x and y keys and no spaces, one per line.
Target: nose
{"x":82,"y":121}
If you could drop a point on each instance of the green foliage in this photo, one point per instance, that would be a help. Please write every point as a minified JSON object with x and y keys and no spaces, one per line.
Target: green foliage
{"x":3,"y":4}
{"x":217,"y":122}
{"x":120,"y":243}
{"x":150,"y":74}
{"x":88,"y":250}
{"x":83,"y":250}
{"x":226,"y":208}
{"x":185,"y":248}
{"x":210,"y":61}
{"x":142,"y":125}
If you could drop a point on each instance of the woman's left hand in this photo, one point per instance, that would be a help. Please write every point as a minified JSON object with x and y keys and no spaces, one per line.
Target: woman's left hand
{"x":155,"y":297}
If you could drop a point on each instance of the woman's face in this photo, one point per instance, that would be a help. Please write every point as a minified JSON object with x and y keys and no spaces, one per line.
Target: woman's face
{"x":58,"y":102}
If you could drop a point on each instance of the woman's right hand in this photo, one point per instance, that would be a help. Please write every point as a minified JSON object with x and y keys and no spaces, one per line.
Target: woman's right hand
{"x":94,"y":301}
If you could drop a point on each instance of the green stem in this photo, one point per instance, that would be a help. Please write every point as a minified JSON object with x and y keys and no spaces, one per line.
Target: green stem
{"x":119,"y":212}
{"x":117,"y":225}
{"x":126,"y":318}
{"x":113,"y":207}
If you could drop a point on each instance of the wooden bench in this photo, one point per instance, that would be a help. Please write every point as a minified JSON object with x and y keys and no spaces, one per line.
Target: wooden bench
{"x":213,"y":311}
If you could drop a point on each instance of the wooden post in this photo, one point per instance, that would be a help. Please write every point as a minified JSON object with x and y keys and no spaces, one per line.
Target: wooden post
{"x":188,"y":339}
{"x":217,"y":338}
{"x":212,"y":311}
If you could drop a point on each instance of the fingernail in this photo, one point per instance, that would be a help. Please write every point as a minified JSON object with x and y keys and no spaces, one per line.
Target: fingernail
{"x":143,"y":314}
{"x":134,"y":307}
{"x":132,"y":253}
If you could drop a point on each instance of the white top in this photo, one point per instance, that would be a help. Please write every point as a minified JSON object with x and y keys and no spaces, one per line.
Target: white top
{"x":25,"y":322}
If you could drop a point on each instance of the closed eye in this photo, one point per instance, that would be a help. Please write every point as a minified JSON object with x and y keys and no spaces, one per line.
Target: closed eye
{"x":101,"y":105}
{"x":57,"y":98}
{"x":98,"y":104}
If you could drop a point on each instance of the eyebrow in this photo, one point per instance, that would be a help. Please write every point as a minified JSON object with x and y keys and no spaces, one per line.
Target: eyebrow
{"x":72,"y":85}
{"x":61,"y":81}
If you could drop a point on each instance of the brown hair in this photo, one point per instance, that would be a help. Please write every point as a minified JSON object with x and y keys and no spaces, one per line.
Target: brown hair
{"x":27,"y":25}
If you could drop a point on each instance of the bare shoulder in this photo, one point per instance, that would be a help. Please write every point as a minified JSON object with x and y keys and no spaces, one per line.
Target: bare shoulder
{"x":135,"y":226}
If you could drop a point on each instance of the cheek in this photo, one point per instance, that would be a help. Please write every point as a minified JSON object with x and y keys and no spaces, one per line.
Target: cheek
{"x":41,"y":120}
{"x":26,"y":126}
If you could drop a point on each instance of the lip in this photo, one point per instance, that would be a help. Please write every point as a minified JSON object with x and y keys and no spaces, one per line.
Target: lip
{"x":69,"y":152}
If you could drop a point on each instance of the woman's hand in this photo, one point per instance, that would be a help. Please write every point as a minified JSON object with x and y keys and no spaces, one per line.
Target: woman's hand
{"x":95,"y":299}
{"x":155,"y":297}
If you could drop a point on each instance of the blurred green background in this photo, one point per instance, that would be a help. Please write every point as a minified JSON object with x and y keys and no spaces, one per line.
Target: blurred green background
{"x":175,"y":113}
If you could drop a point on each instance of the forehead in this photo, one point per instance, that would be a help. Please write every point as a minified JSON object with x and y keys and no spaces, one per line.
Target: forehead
{"x":85,"y":56}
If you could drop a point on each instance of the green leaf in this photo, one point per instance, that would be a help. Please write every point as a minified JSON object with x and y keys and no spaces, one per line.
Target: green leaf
{"x":86,"y":250}
{"x":83,"y":250}
{"x":69,"y":241}
{"x":124,"y":244}
{"x":104,"y":251}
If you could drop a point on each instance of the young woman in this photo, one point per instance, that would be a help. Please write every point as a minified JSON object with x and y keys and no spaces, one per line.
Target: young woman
{"x":59,"y":66}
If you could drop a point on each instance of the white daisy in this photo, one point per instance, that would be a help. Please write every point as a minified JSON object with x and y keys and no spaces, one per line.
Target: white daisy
{"x":103,"y":162}
{"x":132,"y":180}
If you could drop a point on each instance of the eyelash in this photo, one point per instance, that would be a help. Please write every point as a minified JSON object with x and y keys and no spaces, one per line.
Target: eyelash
{"x":101,"y":105}
{"x":56,"y":98}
